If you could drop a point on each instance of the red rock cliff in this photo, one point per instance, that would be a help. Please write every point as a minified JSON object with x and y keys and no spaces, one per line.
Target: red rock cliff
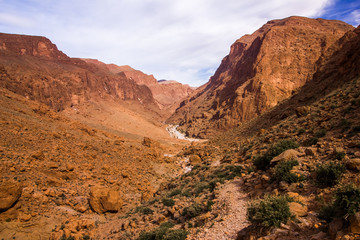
{"x":261,"y":70}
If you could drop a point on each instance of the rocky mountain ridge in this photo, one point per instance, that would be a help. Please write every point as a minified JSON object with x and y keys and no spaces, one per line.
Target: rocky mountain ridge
{"x":261,"y":70}
{"x":168,"y":94}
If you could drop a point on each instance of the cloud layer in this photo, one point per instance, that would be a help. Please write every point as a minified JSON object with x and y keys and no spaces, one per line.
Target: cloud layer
{"x":183,"y":40}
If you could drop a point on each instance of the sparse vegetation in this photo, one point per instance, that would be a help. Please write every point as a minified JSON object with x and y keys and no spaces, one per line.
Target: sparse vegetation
{"x":269,"y":212}
{"x":328,"y":175}
{"x":168,"y":202}
{"x":346,"y":203}
{"x":262,"y":162}
{"x":283,"y":172}
{"x":164,"y":232}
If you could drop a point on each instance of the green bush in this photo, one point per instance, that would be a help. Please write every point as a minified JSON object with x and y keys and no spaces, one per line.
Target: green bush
{"x":168,"y":202}
{"x":339,"y":155}
{"x":269,"y":212}
{"x":328,"y":175}
{"x":262,"y":162}
{"x":346,"y":203}
{"x":311,"y":141}
{"x":282,"y":172}
{"x":175,"y":192}
{"x":164,"y":232}
{"x":178,"y":234}
{"x":281,"y":146}
{"x":147,"y":211}
{"x":321,"y":133}
{"x":193,"y":211}
{"x":347,"y":199}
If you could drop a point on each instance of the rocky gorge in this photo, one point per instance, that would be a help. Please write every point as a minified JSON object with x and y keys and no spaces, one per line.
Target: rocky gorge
{"x":86,"y":151}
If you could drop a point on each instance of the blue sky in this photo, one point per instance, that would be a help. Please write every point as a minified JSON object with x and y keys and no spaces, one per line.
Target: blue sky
{"x":183,"y":40}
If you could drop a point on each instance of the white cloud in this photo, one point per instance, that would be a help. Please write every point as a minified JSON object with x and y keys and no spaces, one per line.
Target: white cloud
{"x":178,"y":39}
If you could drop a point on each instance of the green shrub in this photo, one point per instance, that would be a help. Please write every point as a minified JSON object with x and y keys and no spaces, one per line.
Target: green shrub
{"x":346,"y":203}
{"x":301,"y":131}
{"x":281,"y":146}
{"x":200,"y":187}
{"x":193,"y":211}
{"x":328,"y":175}
{"x":282,"y":172}
{"x":262,"y":162}
{"x":147,"y":211}
{"x":311,"y":141}
{"x":168,"y":202}
{"x":167,"y":225}
{"x":164,"y":232}
{"x":178,"y":234}
{"x":269,"y":212}
{"x":175,"y":192}
{"x":321,"y":133}
{"x":347,"y":199}
{"x":339,"y":155}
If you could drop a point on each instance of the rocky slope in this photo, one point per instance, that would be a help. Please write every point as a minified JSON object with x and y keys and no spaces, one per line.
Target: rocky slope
{"x":33,"y":67}
{"x":55,"y":171}
{"x":261,"y":70}
{"x":295,"y":178}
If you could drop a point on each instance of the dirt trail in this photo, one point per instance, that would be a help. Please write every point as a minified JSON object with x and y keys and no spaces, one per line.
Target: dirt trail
{"x":231,"y":205}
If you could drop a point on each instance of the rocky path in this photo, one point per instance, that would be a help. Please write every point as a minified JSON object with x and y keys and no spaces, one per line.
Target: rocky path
{"x":231,"y":207}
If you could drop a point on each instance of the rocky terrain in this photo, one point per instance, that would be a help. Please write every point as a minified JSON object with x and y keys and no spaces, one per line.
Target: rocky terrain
{"x":104,"y":167}
{"x":261,"y":70}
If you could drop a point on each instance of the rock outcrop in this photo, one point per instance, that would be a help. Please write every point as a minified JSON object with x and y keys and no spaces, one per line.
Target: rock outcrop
{"x":33,"y":67}
{"x":10,"y":192}
{"x":261,"y":70}
{"x":104,"y":200}
{"x":168,"y":94}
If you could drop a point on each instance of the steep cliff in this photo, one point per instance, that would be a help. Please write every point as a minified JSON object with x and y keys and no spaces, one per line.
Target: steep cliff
{"x":34,"y":67}
{"x":261,"y":70}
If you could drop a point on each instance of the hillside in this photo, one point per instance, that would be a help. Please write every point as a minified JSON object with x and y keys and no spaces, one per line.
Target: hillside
{"x":261,"y":70}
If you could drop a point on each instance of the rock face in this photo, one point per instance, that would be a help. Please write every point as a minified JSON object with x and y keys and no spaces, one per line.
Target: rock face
{"x":10,"y":192}
{"x":104,"y":200}
{"x":261,"y":70}
{"x":168,"y":94}
{"x":33,"y":67}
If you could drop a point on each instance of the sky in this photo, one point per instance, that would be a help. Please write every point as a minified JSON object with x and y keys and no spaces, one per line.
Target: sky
{"x":183,"y":40}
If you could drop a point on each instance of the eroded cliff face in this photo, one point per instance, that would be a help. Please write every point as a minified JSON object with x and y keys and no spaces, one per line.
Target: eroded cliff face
{"x":261,"y":70}
{"x":168,"y":94}
{"x":33,"y":67}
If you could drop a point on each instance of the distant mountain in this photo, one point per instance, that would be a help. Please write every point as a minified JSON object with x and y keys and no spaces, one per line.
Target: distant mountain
{"x":168,"y":94}
{"x":261,"y":70}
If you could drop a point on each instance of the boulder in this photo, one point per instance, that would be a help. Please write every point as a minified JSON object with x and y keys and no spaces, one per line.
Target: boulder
{"x":195,"y":159}
{"x":289,"y":154}
{"x":10,"y":192}
{"x":297,"y":209}
{"x":105,"y":200}
{"x":148,"y":142}
{"x":353,"y":164}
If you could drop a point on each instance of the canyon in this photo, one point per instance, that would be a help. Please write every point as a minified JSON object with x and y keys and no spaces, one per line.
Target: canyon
{"x":88,"y":148}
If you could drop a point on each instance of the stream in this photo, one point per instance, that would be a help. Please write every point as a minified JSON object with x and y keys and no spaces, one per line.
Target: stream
{"x":172,"y":130}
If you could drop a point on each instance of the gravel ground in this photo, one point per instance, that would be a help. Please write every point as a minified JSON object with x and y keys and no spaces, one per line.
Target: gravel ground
{"x":232,"y":218}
